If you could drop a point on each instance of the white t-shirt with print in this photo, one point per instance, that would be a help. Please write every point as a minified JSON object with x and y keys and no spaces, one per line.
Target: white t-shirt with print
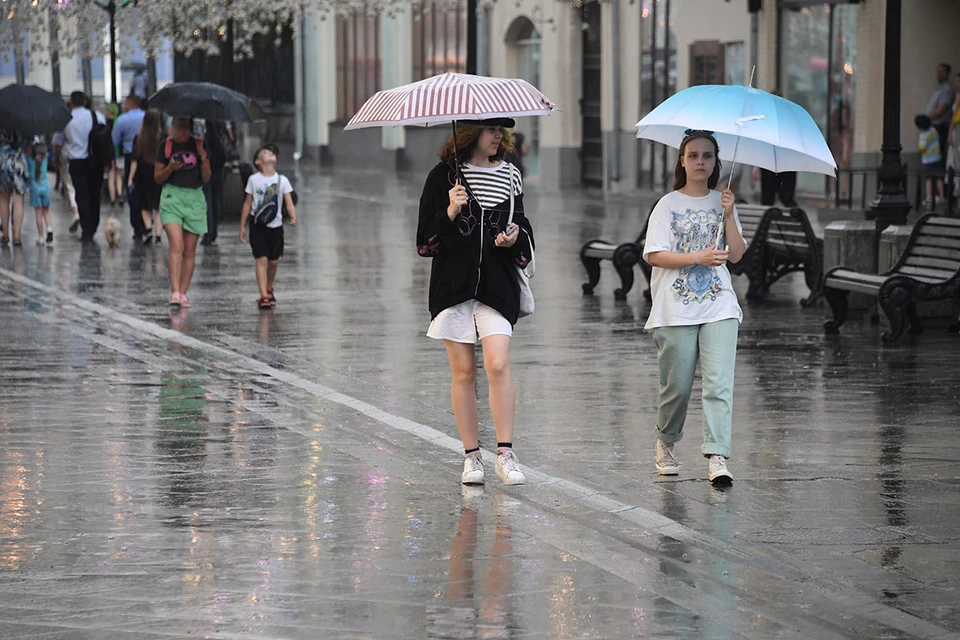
{"x":694,"y":294}
{"x":258,"y":185}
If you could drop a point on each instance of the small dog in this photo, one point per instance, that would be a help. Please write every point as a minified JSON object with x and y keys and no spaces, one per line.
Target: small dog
{"x":112,"y":231}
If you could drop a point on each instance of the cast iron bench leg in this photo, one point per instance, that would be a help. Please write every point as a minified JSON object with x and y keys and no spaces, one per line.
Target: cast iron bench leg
{"x":592,"y":265}
{"x":624,"y":260}
{"x":839,"y":304}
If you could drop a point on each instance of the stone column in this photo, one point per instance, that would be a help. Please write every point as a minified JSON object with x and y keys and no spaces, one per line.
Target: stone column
{"x":396,"y":35}
{"x":320,"y":84}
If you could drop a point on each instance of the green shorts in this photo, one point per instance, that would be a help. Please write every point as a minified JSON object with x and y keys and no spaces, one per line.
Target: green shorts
{"x":185,"y":207}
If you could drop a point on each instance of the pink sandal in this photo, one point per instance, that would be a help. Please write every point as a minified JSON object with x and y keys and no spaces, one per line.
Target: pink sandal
{"x":175,"y":300}
{"x":184,"y":303}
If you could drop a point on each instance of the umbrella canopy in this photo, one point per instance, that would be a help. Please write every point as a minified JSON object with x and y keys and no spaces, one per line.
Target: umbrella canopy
{"x":206,"y":100}
{"x":450,"y":97}
{"x":751,"y":126}
{"x":30,"y":110}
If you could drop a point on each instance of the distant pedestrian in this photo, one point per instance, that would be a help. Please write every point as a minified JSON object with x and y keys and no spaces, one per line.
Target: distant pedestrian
{"x":953,"y":138}
{"x":139,"y":84}
{"x":520,"y":151}
{"x":773,"y":184}
{"x":267,"y":192}
{"x":124,"y":131}
{"x":221,"y":148}
{"x":61,"y":164}
{"x":930,"y":157}
{"x":86,"y":170}
{"x":115,"y":171}
{"x":182,"y":167}
{"x":14,"y":180}
{"x":40,"y":192}
{"x":692,"y":233}
{"x":141,"y":180}
{"x":474,"y":290}
{"x":941,"y":102}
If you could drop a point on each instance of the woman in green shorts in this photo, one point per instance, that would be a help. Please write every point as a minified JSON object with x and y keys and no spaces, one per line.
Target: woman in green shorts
{"x":182,"y":168}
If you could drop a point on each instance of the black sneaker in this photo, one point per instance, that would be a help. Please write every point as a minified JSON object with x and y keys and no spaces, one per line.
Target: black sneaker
{"x":147,"y":238}
{"x":75,"y":225}
{"x":159,"y":240}
{"x":49,"y":237}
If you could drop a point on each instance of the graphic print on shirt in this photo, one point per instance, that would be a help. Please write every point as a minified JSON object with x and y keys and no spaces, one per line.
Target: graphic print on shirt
{"x":696,"y":230}
{"x":189,"y":159}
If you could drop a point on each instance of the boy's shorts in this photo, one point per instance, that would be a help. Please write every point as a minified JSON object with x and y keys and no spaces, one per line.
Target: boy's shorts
{"x":266,"y":242}
{"x":931,"y":171}
{"x":186,"y":207}
{"x":468,"y":323}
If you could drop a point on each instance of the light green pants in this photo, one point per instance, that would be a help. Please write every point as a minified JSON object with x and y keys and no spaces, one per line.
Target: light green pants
{"x":678,"y":348}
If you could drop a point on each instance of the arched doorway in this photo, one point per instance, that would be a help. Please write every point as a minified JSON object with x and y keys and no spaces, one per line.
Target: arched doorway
{"x":523,"y":45}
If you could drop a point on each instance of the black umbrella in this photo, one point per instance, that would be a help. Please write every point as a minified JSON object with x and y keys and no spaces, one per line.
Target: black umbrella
{"x":30,"y":110}
{"x":206,"y":100}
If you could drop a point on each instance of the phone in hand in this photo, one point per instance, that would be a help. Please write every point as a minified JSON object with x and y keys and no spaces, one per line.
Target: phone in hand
{"x":511,"y":228}
{"x":199,"y":128}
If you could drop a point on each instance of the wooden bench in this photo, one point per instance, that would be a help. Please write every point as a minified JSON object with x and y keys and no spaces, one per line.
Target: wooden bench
{"x":928,"y":271}
{"x":629,"y":254}
{"x":790,"y":245}
{"x":625,"y":257}
{"x":751,"y":264}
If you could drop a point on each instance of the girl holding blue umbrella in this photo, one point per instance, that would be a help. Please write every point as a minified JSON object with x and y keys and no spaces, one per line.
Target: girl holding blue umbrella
{"x":692,"y":233}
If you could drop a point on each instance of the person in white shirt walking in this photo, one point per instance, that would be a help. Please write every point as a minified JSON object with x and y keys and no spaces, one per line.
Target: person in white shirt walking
{"x":693,"y":231}
{"x":85,"y":172}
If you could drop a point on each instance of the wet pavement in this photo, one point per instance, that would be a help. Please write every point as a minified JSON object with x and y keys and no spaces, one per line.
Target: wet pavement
{"x":224,"y":472}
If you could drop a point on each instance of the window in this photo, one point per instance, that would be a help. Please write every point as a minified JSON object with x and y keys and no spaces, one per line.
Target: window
{"x":358,"y":62}
{"x":439,"y":38}
{"x":735,"y":63}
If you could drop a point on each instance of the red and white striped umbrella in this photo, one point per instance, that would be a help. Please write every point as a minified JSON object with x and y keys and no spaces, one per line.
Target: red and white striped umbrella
{"x":451,"y":96}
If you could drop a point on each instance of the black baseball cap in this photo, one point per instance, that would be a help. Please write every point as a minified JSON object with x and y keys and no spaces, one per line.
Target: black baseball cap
{"x":506,"y":123}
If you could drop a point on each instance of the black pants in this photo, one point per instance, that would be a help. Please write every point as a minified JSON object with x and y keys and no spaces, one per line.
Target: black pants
{"x":943,"y":133}
{"x":87,"y":176}
{"x":774,"y":184}
{"x":213,"y":190}
{"x":133,"y":199}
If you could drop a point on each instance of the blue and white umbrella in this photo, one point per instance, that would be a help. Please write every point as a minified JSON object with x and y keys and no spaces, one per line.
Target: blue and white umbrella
{"x":751,"y":127}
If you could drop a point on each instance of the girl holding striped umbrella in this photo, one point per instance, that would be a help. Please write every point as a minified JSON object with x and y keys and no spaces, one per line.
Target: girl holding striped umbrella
{"x":474,"y":292}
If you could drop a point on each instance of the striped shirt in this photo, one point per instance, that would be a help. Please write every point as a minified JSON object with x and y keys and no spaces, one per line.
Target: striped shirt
{"x":491,"y":186}
{"x":929,"y":146}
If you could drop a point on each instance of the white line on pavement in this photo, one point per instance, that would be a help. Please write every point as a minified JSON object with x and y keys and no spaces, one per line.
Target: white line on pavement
{"x":652,"y":521}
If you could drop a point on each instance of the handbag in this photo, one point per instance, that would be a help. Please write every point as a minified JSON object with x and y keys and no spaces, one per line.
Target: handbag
{"x":527,"y":304}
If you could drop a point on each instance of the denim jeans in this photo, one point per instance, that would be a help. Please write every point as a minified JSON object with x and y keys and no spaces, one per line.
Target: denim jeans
{"x":714,"y":345}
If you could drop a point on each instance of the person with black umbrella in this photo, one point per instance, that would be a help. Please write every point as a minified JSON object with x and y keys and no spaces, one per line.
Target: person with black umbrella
{"x":182,"y":168}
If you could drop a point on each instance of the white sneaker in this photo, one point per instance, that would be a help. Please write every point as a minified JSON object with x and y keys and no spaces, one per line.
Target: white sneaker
{"x":667,"y":465}
{"x":719,"y":474}
{"x":508,"y":468}
{"x":472,"y":470}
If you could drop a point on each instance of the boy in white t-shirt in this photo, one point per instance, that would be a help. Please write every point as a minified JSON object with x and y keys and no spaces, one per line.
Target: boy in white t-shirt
{"x":267,"y":192}
{"x":693,"y":231}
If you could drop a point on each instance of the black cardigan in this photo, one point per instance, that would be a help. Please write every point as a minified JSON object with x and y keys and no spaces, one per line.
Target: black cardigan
{"x":467,"y":264}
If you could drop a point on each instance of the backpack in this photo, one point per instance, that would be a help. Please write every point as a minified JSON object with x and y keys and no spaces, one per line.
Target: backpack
{"x":100,"y":142}
{"x":168,"y":147}
{"x":268,"y":208}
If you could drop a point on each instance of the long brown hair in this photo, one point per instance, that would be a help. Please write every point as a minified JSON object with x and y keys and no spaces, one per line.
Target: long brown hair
{"x":680,"y":174}
{"x":148,"y":139}
{"x":467,"y":136}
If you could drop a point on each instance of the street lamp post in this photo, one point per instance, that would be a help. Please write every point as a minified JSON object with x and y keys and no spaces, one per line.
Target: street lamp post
{"x":891,"y":205}
{"x":472,"y":36}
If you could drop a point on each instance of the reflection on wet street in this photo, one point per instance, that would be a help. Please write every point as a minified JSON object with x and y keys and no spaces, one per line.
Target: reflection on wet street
{"x":220,"y":471}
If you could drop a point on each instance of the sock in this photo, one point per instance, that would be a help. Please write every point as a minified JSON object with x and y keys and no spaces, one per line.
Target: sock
{"x":471,"y":452}
{"x":503,"y":447}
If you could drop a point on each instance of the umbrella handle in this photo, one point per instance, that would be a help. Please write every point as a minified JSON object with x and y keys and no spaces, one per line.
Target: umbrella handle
{"x":733,"y":165}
